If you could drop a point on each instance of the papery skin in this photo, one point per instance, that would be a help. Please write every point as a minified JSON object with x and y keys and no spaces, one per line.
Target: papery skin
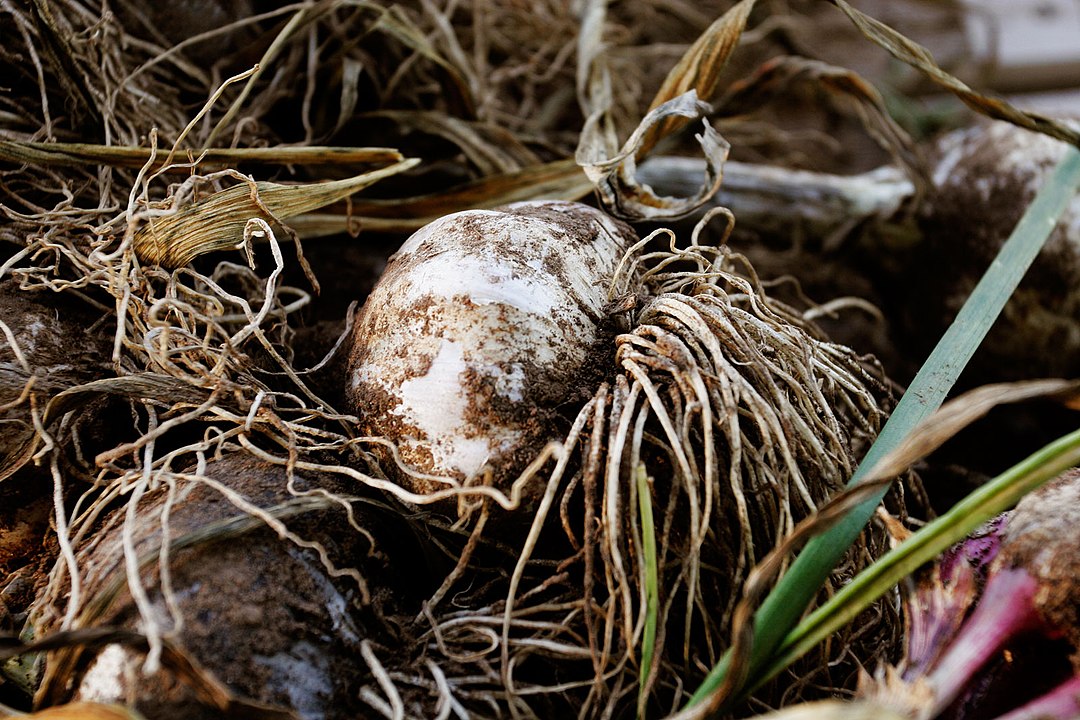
{"x":483,"y":324}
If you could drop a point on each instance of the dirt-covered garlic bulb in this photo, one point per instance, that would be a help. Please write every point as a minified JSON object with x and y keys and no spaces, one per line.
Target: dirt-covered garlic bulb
{"x":984,"y":178}
{"x":271,"y":590}
{"x":727,"y":413}
{"x":483,"y":323}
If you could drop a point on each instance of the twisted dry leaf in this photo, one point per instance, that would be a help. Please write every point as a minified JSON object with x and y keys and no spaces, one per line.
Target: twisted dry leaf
{"x":614,"y":178}
{"x":217,"y":223}
{"x":676,"y":103}
{"x":699,"y":69}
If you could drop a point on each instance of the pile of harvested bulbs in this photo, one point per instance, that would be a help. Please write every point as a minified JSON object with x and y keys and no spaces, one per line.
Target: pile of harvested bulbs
{"x":535,"y":374}
{"x":513,"y":451}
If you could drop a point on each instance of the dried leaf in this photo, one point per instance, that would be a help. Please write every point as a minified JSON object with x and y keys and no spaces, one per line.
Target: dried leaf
{"x":698,"y":69}
{"x":560,"y":180}
{"x":351,"y":72}
{"x":920,"y":58}
{"x":676,"y":103}
{"x":593,"y":78}
{"x":614,"y":175}
{"x":490,"y":148}
{"x":217,"y":223}
{"x":75,"y":154}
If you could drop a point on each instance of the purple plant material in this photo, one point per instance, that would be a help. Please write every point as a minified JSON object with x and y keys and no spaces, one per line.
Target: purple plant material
{"x":1031,"y":586}
{"x":1015,"y":582}
{"x":1061,"y":703}
{"x":1006,"y":609}
{"x":942,"y":597}
{"x":977,"y":551}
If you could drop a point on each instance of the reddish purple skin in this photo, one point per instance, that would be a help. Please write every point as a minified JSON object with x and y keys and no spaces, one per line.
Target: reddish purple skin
{"x":941,"y":600}
{"x":1034,"y":563}
{"x":1005,"y":610}
{"x":1013,"y":585}
{"x":1062,"y":702}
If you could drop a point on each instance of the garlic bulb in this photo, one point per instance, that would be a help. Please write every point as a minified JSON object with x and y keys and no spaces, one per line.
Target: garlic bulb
{"x":267,"y":596}
{"x":984,"y":179}
{"x":483,"y":323}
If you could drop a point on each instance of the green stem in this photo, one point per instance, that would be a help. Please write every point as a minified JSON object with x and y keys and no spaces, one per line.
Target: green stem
{"x":652,"y":590}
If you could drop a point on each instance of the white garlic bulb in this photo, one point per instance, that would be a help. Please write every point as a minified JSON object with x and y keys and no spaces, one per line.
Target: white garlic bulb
{"x":483,"y":323}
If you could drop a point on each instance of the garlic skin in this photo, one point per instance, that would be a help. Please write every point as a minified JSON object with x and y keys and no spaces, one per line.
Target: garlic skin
{"x":482,"y":324}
